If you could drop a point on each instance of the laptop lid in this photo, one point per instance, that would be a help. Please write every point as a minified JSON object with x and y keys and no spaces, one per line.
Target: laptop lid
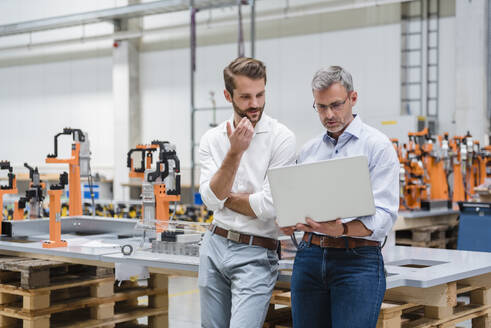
{"x":324,"y":191}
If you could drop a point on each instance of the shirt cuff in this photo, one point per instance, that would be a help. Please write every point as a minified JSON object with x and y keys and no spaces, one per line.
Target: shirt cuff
{"x":256,"y":201}
{"x":209,"y":198}
{"x":371,"y":224}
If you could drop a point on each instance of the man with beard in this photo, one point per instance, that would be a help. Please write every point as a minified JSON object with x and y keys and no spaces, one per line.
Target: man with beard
{"x":338,"y":276}
{"x":238,"y":257}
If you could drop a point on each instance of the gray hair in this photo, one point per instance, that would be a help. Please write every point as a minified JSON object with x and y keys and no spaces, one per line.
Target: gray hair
{"x":325,"y":77}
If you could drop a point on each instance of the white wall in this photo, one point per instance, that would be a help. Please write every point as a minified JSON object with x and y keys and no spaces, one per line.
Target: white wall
{"x":446,"y":114}
{"x":39,"y":99}
{"x":291,"y":62}
{"x":471,"y":96}
{"x":14,"y":11}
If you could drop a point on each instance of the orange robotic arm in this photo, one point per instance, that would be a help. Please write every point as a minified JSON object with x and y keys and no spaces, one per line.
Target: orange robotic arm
{"x":11,"y":188}
{"x":75,"y":193}
{"x":55,"y":193}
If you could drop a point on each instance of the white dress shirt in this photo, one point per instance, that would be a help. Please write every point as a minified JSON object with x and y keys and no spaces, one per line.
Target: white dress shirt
{"x":383,"y":164}
{"x":272,"y":145}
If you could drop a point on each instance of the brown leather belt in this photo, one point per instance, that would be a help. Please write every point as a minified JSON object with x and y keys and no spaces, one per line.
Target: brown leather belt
{"x":269,"y":243}
{"x":342,"y":242}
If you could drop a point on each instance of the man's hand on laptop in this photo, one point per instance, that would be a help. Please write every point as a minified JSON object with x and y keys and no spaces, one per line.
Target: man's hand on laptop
{"x":330,"y":228}
{"x":288,"y":230}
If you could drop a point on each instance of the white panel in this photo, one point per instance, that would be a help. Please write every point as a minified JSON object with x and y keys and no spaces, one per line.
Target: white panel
{"x":373,"y":59}
{"x":395,"y":127}
{"x":446,"y":106}
{"x":38,"y":101}
{"x":470,"y":68}
{"x":14,"y":11}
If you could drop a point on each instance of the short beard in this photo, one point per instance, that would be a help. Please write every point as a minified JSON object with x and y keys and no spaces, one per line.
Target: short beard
{"x":242,"y":113}
{"x":335,"y":131}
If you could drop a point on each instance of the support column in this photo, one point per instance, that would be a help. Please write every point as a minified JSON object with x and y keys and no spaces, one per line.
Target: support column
{"x":471,"y":68}
{"x":127,"y":105}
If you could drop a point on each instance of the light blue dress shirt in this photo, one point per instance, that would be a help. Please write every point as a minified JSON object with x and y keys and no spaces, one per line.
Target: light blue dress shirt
{"x":383,"y":164}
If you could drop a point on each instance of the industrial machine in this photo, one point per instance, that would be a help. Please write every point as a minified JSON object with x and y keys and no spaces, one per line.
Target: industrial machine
{"x":35,"y":193}
{"x":469,"y":166}
{"x":474,"y":226}
{"x":458,"y":185}
{"x":10,"y":188}
{"x":19,"y":209}
{"x":433,"y":156}
{"x":146,"y":160}
{"x":160,"y":187}
{"x":79,"y":166}
{"x":412,"y":174}
{"x":438,"y":170}
{"x":55,"y":192}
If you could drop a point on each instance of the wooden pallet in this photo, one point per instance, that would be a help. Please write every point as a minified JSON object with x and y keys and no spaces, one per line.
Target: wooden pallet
{"x":438,"y":236}
{"x":411,"y":307}
{"x":79,"y":299}
{"x":31,"y":273}
{"x":279,"y":312}
{"x":437,"y":307}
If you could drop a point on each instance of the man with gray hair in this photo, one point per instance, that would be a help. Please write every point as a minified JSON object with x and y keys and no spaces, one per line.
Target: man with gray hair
{"x":338,"y":277}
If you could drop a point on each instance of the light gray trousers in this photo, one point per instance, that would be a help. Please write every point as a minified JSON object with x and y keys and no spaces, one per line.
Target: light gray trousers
{"x":235,"y":282}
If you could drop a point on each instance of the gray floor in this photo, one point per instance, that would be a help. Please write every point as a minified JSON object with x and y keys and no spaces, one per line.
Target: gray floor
{"x":184,"y":309}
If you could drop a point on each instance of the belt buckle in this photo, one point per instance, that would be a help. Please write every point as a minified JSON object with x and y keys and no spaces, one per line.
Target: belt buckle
{"x":324,"y":242}
{"x":233,"y":236}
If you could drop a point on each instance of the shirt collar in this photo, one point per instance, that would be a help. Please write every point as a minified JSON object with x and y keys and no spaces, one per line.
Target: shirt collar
{"x":353,"y":129}
{"x":264,"y":124}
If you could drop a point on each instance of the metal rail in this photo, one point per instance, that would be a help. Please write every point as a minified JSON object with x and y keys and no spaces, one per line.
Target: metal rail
{"x":193,"y":11}
{"x":109,"y":15}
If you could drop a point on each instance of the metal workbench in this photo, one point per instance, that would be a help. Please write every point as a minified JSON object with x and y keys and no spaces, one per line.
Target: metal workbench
{"x":406,"y":266}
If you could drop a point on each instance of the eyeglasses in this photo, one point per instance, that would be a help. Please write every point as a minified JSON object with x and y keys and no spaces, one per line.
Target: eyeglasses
{"x":335,"y":107}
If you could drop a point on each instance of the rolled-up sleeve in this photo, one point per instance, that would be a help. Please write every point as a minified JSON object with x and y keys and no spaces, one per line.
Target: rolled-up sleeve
{"x":384,"y":178}
{"x":208,"y":169}
{"x":284,"y":154}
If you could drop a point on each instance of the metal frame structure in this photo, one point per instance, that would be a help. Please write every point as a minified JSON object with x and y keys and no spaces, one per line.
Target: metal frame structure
{"x":115,"y":15}
{"x":194,"y":109}
{"x":110,"y":15}
{"x":407,"y":66}
{"x":489,"y":59}
{"x":432,"y":63}
{"x":427,"y":38}
{"x":84,"y":225}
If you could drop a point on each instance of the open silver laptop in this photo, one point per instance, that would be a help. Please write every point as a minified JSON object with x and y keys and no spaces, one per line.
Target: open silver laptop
{"x":324,"y":191}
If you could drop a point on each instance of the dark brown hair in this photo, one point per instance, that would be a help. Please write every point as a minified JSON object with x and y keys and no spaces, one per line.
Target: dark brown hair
{"x":249,"y":67}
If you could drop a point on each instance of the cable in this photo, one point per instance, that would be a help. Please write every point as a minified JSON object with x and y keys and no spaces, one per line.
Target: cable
{"x":92,"y":197}
{"x":383,"y":244}
{"x":294,"y":240}
{"x":241,"y":50}
{"x":173,"y":213}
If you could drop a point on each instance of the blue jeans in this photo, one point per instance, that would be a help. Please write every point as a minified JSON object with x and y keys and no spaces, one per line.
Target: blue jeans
{"x":337,"y":287}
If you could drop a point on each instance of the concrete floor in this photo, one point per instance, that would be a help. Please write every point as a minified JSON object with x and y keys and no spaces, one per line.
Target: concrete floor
{"x":184,"y":310}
